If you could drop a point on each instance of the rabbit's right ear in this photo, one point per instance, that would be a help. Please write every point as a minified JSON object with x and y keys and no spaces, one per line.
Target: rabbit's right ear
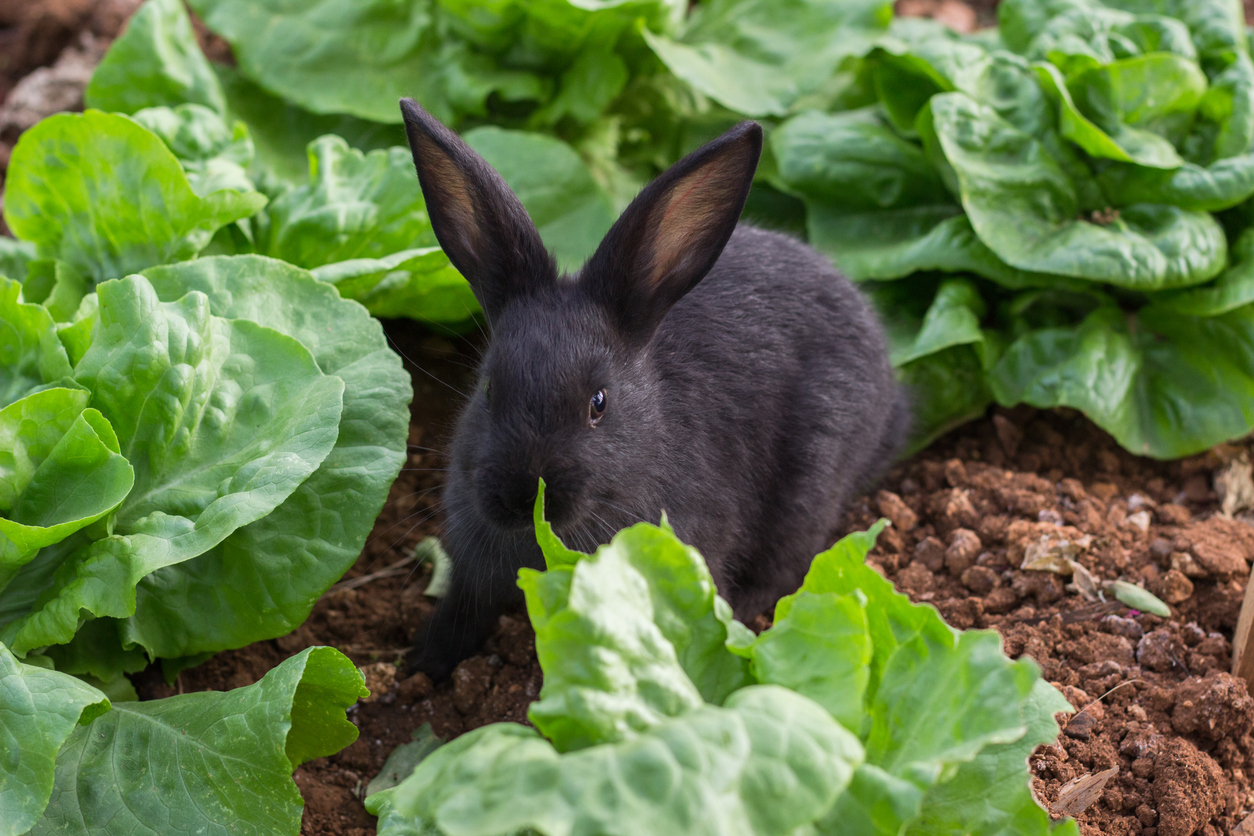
{"x":477,"y":218}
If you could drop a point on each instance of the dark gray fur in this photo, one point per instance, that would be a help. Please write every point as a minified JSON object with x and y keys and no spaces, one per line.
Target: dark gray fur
{"x":750,"y":408}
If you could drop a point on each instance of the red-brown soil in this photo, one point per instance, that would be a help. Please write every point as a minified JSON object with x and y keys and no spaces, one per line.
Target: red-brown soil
{"x":1175,"y":726}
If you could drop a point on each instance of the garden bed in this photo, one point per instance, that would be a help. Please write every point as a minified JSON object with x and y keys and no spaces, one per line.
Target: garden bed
{"x":1158,"y":702}
{"x":964,"y":512}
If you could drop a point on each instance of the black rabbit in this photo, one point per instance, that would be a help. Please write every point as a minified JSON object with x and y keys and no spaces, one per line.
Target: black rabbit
{"x":724,"y":374}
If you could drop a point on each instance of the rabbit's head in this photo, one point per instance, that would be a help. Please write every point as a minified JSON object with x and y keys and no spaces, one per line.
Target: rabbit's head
{"x":567,"y":390}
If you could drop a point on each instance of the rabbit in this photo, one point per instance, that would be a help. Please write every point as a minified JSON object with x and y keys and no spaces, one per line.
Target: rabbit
{"x":725,"y":375}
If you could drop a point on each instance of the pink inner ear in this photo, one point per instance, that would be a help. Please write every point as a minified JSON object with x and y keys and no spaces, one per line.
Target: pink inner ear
{"x":691,"y":212}
{"x":447,"y":179}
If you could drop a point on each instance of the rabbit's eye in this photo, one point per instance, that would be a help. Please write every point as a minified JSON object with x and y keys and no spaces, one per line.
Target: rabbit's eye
{"x":596,"y":407}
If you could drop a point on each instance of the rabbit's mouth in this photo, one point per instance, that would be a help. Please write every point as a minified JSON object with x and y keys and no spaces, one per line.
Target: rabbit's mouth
{"x":512,"y":506}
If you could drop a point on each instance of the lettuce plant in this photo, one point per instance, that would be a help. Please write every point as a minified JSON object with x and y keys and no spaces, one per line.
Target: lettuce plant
{"x":1053,"y":213}
{"x":76,"y":762}
{"x":196,"y":457}
{"x":856,"y":713}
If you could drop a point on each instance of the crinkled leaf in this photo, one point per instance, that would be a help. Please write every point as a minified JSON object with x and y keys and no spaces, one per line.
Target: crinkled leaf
{"x":1233,"y":289}
{"x":63,"y":472}
{"x":281,"y":131}
{"x":821,"y":650}
{"x":156,"y":62}
{"x":947,"y":389}
{"x":15,"y":256}
{"x":419,"y":283}
{"x":355,"y":205}
{"x":1118,"y":141}
{"x":1024,"y":206}
{"x":768,"y":762}
{"x":214,"y":156}
{"x":221,"y":419}
{"x":571,"y":211}
{"x":209,"y":762}
{"x":104,"y":195}
{"x":1162,"y":383}
{"x":855,"y":162}
{"x":953,"y":318}
{"x":39,"y":710}
{"x":627,"y":636}
{"x":291,"y":556}
{"x":360,"y":56}
{"x":1145,"y":102}
{"x":30,"y":353}
{"x":767,"y":57}
{"x":991,"y":795}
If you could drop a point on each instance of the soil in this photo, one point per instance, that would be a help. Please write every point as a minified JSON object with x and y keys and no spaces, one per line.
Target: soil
{"x":1159,"y":718}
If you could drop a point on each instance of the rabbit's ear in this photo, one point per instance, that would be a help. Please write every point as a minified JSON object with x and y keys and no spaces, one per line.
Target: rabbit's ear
{"x":673,"y":232}
{"x":478,"y":220}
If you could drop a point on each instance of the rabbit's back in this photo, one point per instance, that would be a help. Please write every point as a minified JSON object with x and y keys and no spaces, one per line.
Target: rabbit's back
{"x":782,"y":401}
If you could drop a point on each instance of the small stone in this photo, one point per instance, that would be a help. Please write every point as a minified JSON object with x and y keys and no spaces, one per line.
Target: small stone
{"x":915,"y":579}
{"x":471,"y":680}
{"x":957,"y":509}
{"x":1172,"y":586}
{"x":1184,"y":563}
{"x":979,"y":579}
{"x":1173,"y":514}
{"x":1049,"y":515}
{"x":1160,"y":550}
{"x":1217,"y":706}
{"x":1139,"y":521}
{"x":1222,"y":546}
{"x":414,"y":688}
{"x":1157,"y":652}
{"x":955,"y":473}
{"x":1119,"y":626}
{"x":1001,"y":600}
{"x":964,"y":548}
{"x":1104,"y":491}
{"x":898,"y":513}
{"x":380,"y":677}
{"x":931,"y":553}
{"x":1080,"y":726}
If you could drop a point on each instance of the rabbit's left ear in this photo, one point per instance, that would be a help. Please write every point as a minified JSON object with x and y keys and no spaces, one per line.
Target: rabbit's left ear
{"x":673,"y":232}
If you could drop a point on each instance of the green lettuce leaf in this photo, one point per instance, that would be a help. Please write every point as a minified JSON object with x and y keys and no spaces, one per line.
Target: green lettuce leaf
{"x":627,"y":637}
{"x":214,"y":156}
{"x":30,"y":352}
{"x":419,"y":283}
{"x":41,"y":709}
{"x":221,"y":419}
{"x":1233,"y":289}
{"x":358,"y":57}
{"x":15,"y":257}
{"x":156,"y":62}
{"x":291,"y":556}
{"x":1164,"y":384}
{"x":571,"y":211}
{"x":766,"y":57}
{"x":281,"y":131}
{"x":63,"y":471}
{"x":1024,"y":206}
{"x":767,"y":762}
{"x":105,"y":195}
{"x":355,"y":205}
{"x":208,"y":762}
